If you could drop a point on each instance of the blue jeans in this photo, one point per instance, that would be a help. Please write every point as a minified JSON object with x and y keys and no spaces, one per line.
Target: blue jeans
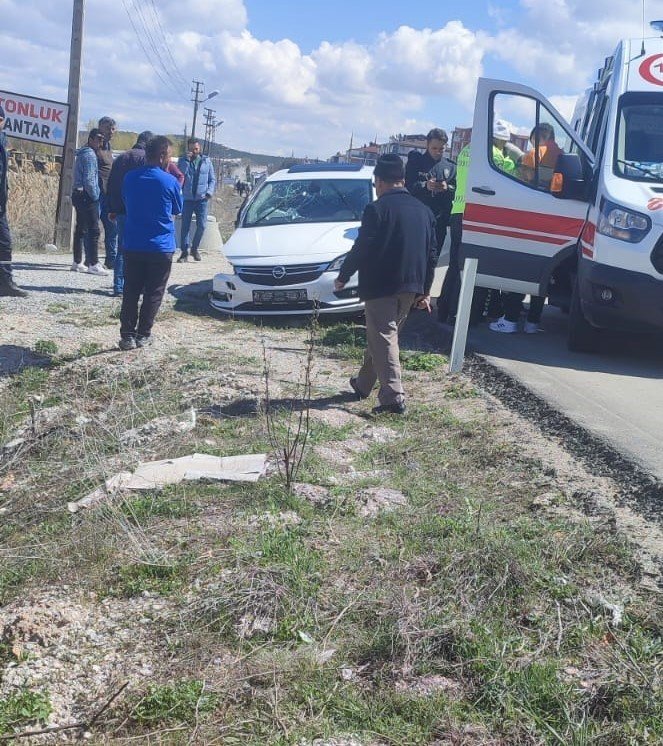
{"x":197,"y":207}
{"x":110,"y":233}
{"x":118,"y":267}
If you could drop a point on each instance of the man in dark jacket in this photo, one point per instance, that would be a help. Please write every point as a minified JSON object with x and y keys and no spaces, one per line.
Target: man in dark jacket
{"x":395,"y":255}
{"x":128,"y":161}
{"x":108,"y":128}
{"x":431,"y":178}
{"x":7,"y":285}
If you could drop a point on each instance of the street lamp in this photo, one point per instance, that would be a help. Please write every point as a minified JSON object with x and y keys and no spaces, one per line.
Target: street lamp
{"x":196,"y":103}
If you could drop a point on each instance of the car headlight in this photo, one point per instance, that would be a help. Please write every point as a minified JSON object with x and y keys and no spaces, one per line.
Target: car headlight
{"x":618,"y":222}
{"x":336,"y":265}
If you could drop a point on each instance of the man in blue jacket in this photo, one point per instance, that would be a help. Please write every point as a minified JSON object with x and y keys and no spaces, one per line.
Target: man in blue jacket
{"x":395,"y":254}
{"x":85,"y":199}
{"x":8,"y":288}
{"x":152,"y":198}
{"x":198,"y":189}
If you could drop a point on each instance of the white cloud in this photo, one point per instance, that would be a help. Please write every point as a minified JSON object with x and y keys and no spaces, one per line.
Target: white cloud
{"x":276,"y":97}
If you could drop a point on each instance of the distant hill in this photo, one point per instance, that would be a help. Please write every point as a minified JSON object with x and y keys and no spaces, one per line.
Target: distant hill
{"x":124,"y":139}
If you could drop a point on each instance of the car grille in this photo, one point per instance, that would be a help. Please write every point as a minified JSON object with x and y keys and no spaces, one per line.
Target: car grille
{"x":294,"y":274}
{"x":657,"y":255}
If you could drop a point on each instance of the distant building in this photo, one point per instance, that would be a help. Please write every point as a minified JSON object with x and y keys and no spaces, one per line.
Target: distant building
{"x":403,"y":144}
{"x":367,"y":155}
{"x":459,"y":139}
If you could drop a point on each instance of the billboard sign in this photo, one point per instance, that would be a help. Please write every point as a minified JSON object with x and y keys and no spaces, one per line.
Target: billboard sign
{"x":35,"y":119}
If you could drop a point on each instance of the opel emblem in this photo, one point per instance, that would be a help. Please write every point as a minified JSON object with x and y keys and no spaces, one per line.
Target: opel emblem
{"x":278,"y":273}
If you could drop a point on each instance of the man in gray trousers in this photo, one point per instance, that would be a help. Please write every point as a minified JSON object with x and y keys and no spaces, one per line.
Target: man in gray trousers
{"x":395,"y":254}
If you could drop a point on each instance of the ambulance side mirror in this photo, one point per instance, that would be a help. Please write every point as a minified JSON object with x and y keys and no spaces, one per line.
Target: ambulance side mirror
{"x":568,"y":181}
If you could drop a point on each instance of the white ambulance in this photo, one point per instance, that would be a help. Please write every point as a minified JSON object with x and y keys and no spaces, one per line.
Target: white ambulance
{"x":588,"y":232}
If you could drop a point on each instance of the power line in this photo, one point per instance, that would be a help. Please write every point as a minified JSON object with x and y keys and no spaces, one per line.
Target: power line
{"x":167,"y":40}
{"x":165,"y":81}
{"x":154,"y":44}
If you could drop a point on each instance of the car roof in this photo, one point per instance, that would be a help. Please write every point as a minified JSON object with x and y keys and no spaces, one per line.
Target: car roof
{"x":322,"y":171}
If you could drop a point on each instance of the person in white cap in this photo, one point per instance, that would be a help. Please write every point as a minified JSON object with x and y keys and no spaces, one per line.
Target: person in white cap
{"x":505,"y":153}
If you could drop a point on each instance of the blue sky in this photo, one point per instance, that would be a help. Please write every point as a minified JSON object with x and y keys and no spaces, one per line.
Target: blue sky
{"x":301,"y":75}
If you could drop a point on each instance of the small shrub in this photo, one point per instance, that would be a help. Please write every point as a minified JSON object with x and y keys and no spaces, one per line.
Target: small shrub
{"x":424,"y":361}
{"x":181,"y":702}
{"x":87,"y":349}
{"x":22,"y":708}
{"x":153,"y":578}
{"x":46,"y":347}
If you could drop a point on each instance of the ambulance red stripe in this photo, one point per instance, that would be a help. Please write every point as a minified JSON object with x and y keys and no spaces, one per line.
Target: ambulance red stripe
{"x":524,"y":219}
{"x":557,"y":240}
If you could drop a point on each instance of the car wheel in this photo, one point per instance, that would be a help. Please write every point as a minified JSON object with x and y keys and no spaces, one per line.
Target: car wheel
{"x":582,"y":336}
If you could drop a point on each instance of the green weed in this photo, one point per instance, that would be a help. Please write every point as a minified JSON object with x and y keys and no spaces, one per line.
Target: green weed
{"x":23,"y":708}
{"x":182,"y":702}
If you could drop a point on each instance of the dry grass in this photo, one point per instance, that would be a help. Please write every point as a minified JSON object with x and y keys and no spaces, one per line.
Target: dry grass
{"x":32,"y":206}
{"x":467,"y":616}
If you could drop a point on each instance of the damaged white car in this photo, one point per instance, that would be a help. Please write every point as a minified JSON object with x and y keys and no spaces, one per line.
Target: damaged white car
{"x":291,"y":239}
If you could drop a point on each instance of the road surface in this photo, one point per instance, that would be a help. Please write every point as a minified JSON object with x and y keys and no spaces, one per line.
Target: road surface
{"x":616,"y":394}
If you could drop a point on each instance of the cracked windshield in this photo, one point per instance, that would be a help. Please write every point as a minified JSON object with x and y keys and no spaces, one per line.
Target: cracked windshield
{"x":309,"y":201}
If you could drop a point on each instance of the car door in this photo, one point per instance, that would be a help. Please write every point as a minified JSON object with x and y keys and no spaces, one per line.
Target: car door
{"x":513,"y":224}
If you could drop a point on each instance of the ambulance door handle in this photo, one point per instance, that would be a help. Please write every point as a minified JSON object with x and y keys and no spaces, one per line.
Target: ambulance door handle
{"x":484,"y":190}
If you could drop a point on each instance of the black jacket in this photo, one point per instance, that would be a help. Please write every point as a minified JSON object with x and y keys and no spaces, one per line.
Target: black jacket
{"x":127,"y":161}
{"x":395,"y":251}
{"x":421,"y":167}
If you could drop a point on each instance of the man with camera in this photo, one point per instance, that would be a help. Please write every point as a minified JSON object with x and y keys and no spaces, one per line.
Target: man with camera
{"x":198,"y":189}
{"x":431,"y":178}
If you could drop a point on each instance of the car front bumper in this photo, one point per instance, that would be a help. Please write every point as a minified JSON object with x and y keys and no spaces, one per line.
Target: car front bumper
{"x":233,"y":296}
{"x":636,"y":304}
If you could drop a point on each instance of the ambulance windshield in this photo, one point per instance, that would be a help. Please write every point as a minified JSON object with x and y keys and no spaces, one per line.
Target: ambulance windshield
{"x":639,"y":148}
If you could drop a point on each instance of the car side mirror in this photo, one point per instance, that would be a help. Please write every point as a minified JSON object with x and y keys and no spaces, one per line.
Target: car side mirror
{"x":568,"y":181}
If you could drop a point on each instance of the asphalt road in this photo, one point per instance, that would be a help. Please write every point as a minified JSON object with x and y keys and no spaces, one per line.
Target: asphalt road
{"x":616,"y":394}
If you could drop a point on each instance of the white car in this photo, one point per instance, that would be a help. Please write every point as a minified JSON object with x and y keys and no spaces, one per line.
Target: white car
{"x":291,"y":240}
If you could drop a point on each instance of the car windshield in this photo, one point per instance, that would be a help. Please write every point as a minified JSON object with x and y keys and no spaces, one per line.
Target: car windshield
{"x":639,"y":150}
{"x":308,"y":201}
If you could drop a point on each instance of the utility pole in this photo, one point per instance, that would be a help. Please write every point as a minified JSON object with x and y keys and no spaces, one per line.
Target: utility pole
{"x":209,"y":124}
{"x":197,"y":93}
{"x":63,"y":216}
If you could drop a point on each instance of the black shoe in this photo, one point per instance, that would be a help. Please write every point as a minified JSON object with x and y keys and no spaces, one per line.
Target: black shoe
{"x":395,"y":408}
{"x":196,"y":256}
{"x":183,"y":258}
{"x":143,"y":341}
{"x":9,"y":289}
{"x":127,"y":343}
{"x":355,"y":388}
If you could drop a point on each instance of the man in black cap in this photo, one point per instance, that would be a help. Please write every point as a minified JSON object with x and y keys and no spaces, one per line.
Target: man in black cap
{"x":395,"y":254}
{"x":8,"y":288}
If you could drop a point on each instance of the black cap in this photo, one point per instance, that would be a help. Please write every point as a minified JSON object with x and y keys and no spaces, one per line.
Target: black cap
{"x":144,"y":137}
{"x":95,"y":132}
{"x":389,"y":168}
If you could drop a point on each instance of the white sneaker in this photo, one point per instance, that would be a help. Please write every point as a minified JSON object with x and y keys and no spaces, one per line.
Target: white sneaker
{"x":504,"y":326}
{"x":97,"y":269}
{"x":529,"y":327}
{"x":75,"y":267}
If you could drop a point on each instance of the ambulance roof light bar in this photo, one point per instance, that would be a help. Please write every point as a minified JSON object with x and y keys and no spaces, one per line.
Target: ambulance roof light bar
{"x":657,"y":26}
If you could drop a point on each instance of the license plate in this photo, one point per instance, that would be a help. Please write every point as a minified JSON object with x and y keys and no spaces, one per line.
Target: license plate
{"x":279,"y":297}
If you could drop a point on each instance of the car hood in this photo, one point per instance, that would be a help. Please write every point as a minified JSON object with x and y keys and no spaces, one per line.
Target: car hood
{"x":290,"y":244}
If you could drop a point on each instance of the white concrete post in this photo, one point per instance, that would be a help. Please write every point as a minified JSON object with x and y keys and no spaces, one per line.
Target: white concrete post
{"x":463,"y":315}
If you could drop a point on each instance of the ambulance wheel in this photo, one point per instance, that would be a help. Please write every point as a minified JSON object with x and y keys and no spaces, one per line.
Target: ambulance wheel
{"x":582,"y":336}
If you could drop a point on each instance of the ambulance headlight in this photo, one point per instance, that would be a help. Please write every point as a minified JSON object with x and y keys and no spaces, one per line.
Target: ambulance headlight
{"x":618,"y":222}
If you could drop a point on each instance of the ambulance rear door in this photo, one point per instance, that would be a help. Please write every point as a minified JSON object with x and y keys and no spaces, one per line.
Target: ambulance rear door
{"x":513,"y":223}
